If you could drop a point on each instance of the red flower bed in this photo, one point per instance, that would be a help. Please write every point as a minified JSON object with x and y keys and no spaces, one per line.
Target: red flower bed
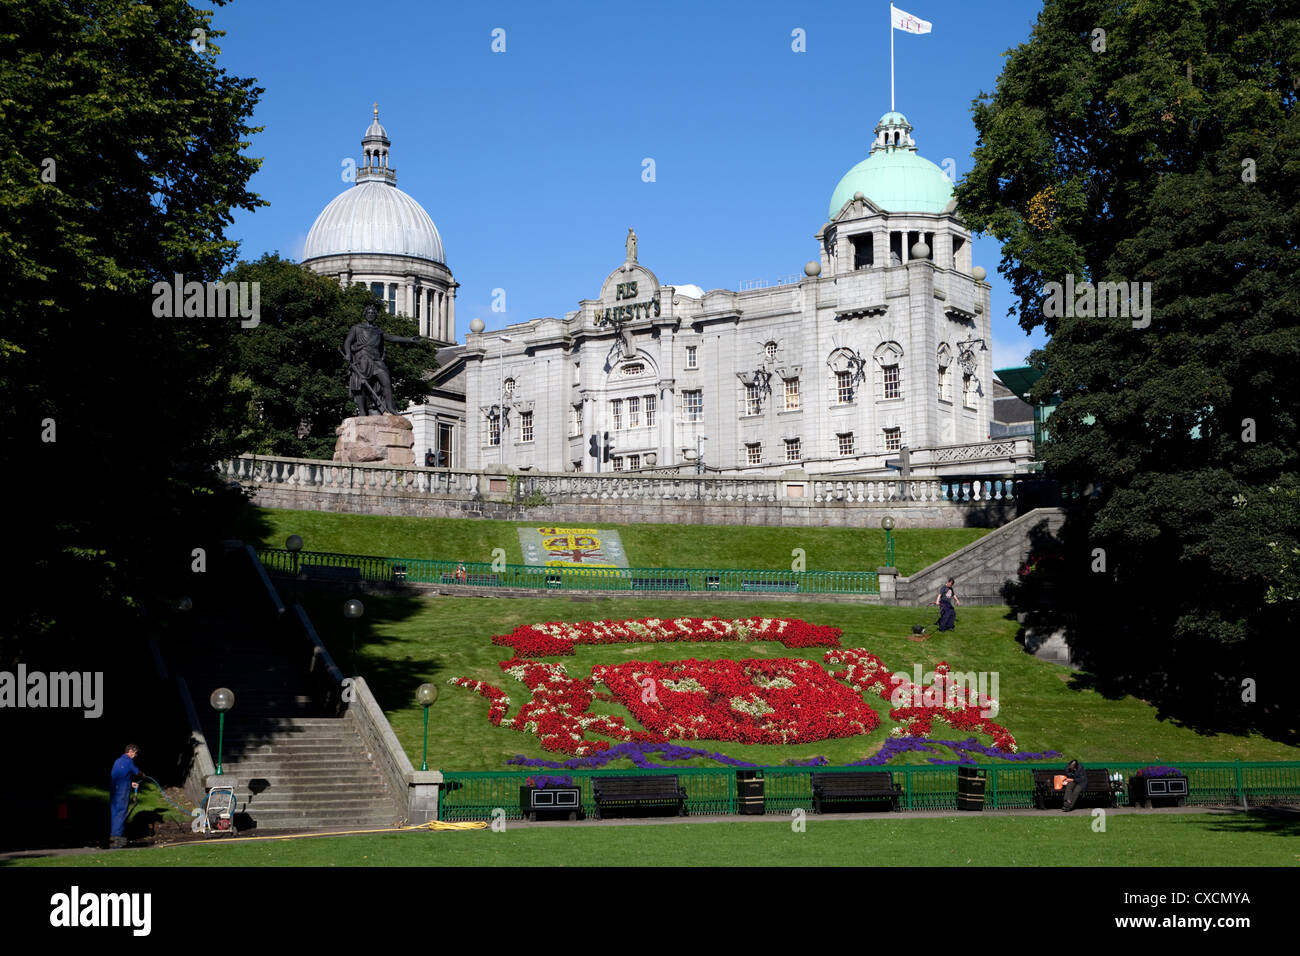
{"x":916,"y":707}
{"x":558,"y":638}
{"x":779,"y":701}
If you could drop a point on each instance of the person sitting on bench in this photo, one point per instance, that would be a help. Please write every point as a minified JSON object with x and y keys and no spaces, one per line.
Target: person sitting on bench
{"x":1076,"y":781}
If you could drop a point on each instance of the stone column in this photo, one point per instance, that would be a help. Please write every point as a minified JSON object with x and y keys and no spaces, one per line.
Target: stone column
{"x":410,"y":297}
{"x":451,"y":314}
{"x":888,"y":578}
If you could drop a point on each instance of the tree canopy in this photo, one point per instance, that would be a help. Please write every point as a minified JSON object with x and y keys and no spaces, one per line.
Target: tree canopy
{"x":121,"y":162}
{"x":297,"y":377}
{"x":1159,"y":143}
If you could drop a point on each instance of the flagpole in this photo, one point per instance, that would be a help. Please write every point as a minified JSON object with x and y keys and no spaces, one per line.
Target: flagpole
{"x":891,"y":58}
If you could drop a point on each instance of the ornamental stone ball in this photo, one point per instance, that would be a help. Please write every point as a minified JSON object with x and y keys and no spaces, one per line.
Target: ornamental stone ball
{"x":859,"y":195}
{"x":812,"y":268}
{"x":476,"y":325}
{"x":920,"y":251}
{"x":978,"y":273}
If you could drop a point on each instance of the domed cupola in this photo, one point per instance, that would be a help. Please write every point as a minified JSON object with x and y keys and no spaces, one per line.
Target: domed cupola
{"x":374,"y":149}
{"x":375,"y":235}
{"x":374,"y":217}
{"x":893,"y":176}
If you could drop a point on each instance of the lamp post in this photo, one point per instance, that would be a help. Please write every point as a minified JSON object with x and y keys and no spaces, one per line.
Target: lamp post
{"x":699,"y":454}
{"x":222,"y":699}
{"x":425,"y":695}
{"x":352,"y":610}
{"x":887,"y":522}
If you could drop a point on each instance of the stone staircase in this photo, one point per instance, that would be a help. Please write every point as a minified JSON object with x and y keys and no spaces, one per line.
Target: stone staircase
{"x":295,"y":768}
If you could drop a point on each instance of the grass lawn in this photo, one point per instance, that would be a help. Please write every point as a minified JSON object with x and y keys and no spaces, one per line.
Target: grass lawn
{"x":969,"y":839}
{"x":405,"y":641}
{"x":647,"y":545}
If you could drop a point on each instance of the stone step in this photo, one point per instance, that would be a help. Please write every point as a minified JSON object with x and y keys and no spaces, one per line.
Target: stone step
{"x":259,"y":804}
{"x":340,"y":824}
{"x":320,"y":767}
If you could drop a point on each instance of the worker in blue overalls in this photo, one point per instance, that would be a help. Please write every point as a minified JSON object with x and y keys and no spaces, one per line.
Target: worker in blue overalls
{"x":124,"y":773}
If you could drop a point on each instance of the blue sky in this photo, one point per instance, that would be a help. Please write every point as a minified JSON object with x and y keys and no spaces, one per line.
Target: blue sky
{"x":530,"y":161}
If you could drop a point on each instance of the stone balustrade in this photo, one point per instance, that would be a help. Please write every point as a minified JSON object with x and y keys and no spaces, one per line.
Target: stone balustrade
{"x":308,"y":474}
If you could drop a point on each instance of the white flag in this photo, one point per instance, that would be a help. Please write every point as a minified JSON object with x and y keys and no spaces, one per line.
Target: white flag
{"x":904,"y":21}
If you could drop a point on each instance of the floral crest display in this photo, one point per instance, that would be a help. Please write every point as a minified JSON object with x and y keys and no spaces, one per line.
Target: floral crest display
{"x":761,"y":701}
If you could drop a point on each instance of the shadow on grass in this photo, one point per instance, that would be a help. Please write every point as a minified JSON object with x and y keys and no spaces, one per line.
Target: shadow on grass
{"x":1271,"y":821}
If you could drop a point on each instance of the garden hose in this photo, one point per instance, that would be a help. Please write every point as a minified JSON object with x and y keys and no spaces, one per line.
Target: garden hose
{"x":164,"y":794}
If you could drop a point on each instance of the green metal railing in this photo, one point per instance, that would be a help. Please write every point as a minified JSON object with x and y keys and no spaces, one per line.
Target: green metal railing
{"x":713,"y":790}
{"x":481,"y":574}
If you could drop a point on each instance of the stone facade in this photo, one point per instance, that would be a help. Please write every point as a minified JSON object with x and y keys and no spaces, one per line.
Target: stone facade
{"x":882,"y":344}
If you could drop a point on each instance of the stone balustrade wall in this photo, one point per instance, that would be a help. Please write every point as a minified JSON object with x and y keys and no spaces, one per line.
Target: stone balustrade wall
{"x":802,"y":501}
{"x":376,"y":489}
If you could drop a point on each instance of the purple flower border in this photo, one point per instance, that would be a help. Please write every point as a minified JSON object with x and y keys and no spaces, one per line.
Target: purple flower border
{"x":639,"y":753}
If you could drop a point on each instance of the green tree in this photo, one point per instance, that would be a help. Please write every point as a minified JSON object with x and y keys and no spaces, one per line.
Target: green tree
{"x":298,"y":377}
{"x":120,"y":164}
{"x":1158,"y":142}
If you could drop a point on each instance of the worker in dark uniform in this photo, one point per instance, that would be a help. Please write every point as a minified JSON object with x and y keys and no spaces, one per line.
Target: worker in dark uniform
{"x":124,"y":782}
{"x":1076,"y":781}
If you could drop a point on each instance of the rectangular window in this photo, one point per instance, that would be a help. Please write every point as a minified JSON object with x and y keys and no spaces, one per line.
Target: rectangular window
{"x":753,"y":400}
{"x":692,"y":360}
{"x":843,"y":388}
{"x":616,"y":408}
{"x":618,"y":462}
{"x":377,"y":290}
{"x":693,"y":406}
{"x":943,"y":381}
{"x":968,"y":390}
{"x":446,"y":436}
{"x":792,"y":450}
{"x":575,"y":419}
{"x":633,"y":462}
{"x":525,"y":426}
{"x":577,"y":373}
{"x":649,"y":411}
{"x":494,"y":431}
{"x":754,"y":454}
{"x":893,"y":387}
{"x":417,"y":304}
{"x":392,"y":298}
{"x":791,"y":394}
{"x":845,"y":443}
{"x":893,"y":439}
{"x":634,"y":413}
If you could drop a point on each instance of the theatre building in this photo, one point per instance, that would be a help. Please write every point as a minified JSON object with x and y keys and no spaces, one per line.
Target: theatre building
{"x":882,"y":344}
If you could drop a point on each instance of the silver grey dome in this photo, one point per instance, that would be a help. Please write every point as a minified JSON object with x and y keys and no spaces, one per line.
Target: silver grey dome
{"x":374,"y":217}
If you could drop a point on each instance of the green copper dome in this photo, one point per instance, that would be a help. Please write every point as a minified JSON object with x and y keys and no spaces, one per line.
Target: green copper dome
{"x":894,"y":177}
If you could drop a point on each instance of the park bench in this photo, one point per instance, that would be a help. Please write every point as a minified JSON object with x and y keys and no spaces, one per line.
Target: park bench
{"x":869,"y":786}
{"x":490,"y":580}
{"x":784,"y":586}
{"x":1100,"y":789}
{"x":625,"y":794}
{"x":330,"y":573}
{"x":661,"y":584}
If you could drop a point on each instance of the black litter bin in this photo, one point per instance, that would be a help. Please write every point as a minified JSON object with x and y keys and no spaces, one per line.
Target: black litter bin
{"x":970,"y":788}
{"x":749,"y":792}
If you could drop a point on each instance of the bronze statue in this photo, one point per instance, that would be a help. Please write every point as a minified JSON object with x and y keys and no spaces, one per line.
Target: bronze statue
{"x":364,"y":350}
